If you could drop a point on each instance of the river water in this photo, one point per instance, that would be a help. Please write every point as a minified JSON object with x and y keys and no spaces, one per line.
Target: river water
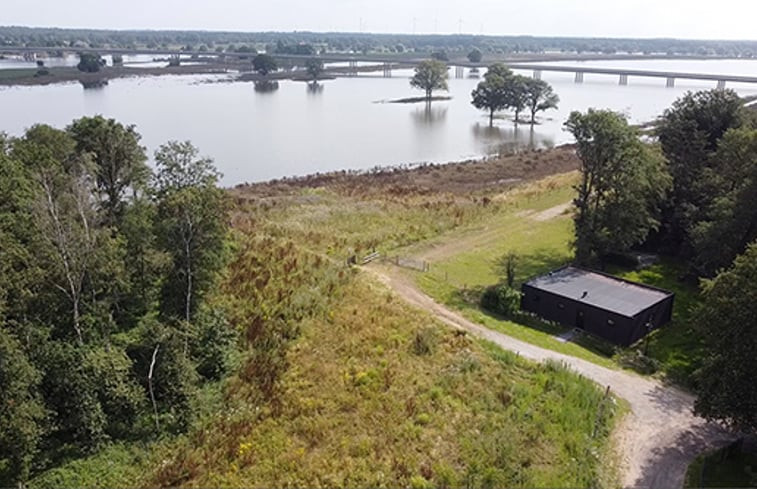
{"x":343,"y":124}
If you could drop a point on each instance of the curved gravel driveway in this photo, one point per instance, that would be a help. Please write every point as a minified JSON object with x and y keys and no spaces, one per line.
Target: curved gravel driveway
{"x":658,"y":439}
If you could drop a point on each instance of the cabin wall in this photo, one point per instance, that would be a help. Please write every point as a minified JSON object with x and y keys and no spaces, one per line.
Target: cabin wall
{"x":616,"y":328}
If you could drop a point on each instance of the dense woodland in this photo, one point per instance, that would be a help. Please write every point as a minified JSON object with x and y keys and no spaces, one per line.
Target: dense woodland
{"x":690,"y":195}
{"x":288,"y":42}
{"x":108,"y":324}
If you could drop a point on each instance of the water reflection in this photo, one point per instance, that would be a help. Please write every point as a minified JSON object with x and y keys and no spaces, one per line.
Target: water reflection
{"x":93,"y":84}
{"x":429,"y":115}
{"x":508,"y":140}
{"x":266,"y":86}
{"x":315,"y":88}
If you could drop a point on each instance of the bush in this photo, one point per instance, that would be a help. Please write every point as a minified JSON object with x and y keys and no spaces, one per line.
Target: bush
{"x":501,"y":299}
{"x":424,"y":342}
{"x":637,"y":361}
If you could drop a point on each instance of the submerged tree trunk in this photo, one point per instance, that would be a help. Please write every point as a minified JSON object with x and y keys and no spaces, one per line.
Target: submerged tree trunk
{"x":491,"y":117}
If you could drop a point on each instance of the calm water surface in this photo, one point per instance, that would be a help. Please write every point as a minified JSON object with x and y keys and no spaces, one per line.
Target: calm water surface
{"x":295,"y":130}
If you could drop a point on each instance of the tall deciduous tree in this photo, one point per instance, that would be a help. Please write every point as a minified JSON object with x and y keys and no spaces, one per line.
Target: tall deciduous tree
{"x":490,"y":95}
{"x":475,"y":55}
{"x":430,"y":75}
{"x":539,"y":97}
{"x":516,"y":94}
{"x":63,"y":211}
{"x":314,"y":67}
{"x":731,"y":211}
{"x":689,"y":134}
{"x":623,"y":182}
{"x":90,"y":62}
{"x":118,"y":157}
{"x":264,"y":64}
{"x":192,"y":225}
{"x":727,"y":391}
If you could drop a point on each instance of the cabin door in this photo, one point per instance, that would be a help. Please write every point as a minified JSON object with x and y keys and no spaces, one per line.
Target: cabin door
{"x":580,"y":319}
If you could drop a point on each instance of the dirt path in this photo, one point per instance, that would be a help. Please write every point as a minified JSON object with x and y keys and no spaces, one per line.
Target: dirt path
{"x":658,"y":439}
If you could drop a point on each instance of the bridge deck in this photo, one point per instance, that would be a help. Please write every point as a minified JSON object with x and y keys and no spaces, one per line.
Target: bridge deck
{"x":410,"y":61}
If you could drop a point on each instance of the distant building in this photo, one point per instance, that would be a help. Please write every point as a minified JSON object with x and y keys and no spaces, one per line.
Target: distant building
{"x":609,"y":307}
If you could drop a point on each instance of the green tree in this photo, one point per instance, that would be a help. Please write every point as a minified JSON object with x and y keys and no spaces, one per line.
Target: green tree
{"x":118,"y":157}
{"x":623,"y":182}
{"x":491,"y":93}
{"x":516,"y":95}
{"x":64,"y":217}
{"x":90,"y":62}
{"x":689,"y":133}
{"x":732,"y":174}
{"x":539,"y":97}
{"x":475,"y":56}
{"x":440,"y":56}
{"x":726,"y":389}
{"x":264,"y":64}
{"x":314,"y":67}
{"x":430,"y":75}
{"x":22,"y":413}
{"x":191,"y":224}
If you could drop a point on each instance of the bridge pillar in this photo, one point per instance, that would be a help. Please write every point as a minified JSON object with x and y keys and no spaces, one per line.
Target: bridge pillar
{"x":671,"y":82}
{"x":721,"y":84}
{"x":387,"y":70}
{"x":579,"y":76}
{"x":623,"y":80}
{"x":537,"y":74}
{"x":459,"y":72}
{"x":353,"y":67}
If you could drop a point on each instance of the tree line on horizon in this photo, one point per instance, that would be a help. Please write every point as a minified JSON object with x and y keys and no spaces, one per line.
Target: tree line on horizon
{"x":366,"y":42}
{"x":108,"y":320}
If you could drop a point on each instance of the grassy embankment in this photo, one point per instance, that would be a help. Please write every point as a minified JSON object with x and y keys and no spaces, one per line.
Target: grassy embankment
{"x":368,"y":392}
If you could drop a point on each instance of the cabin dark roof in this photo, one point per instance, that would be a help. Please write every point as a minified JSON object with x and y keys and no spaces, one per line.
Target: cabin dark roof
{"x":599,"y":290}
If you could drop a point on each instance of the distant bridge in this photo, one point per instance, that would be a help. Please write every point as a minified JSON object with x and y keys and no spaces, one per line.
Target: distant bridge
{"x":624,"y":74}
{"x":399,"y":61}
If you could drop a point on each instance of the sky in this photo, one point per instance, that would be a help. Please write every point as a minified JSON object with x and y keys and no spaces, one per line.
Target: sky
{"x":689,"y":19}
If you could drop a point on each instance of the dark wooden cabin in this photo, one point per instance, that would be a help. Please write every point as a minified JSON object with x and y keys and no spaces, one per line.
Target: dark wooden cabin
{"x":617,"y":310}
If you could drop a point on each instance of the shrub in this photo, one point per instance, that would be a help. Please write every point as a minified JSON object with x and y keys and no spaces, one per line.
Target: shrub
{"x":501,"y":299}
{"x":637,"y":361}
{"x":424,"y":342}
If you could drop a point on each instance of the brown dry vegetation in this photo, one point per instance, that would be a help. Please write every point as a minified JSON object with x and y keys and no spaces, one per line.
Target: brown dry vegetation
{"x":462,"y":179}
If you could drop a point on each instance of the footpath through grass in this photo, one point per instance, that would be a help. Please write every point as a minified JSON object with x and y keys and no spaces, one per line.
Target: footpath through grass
{"x":465,"y":261}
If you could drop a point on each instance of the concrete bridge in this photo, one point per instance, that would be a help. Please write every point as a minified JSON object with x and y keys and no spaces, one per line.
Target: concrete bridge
{"x":387,"y":63}
{"x":623,"y":74}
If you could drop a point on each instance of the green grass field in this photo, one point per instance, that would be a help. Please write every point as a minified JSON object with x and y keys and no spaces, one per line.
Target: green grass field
{"x":469,"y":259}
